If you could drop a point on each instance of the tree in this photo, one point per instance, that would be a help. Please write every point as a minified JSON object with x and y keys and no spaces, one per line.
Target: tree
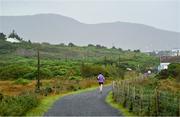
{"x":29,"y":41}
{"x":2,"y":36}
{"x":98,"y":46}
{"x":90,"y":45}
{"x":71,"y":44}
{"x":120,"y":49}
{"x":14,"y":35}
{"x":113,"y":47}
{"x":137,"y":51}
{"x":174,"y":70}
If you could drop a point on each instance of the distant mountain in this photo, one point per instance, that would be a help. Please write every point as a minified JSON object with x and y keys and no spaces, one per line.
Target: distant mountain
{"x":57,"y":29}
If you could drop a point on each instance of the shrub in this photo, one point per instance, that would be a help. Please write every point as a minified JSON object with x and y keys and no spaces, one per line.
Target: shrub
{"x":44,"y":73}
{"x":163,"y":74}
{"x":74,"y":87}
{"x":47,"y":90}
{"x":17,"y":105}
{"x":21,"y":81}
{"x":74,"y":78}
{"x":60,"y":72}
{"x":173,"y":71}
{"x":1,"y":96}
{"x":92,"y":70}
{"x":14,"y":71}
{"x":30,"y":76}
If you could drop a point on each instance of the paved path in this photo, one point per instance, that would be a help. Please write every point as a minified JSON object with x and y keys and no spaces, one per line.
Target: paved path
{"x":90,"y":103}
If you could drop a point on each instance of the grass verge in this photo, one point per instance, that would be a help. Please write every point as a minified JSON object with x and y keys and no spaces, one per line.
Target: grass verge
{"x":48,"y":101}
{"x":123,"y":111}
{"x":43,"y":106}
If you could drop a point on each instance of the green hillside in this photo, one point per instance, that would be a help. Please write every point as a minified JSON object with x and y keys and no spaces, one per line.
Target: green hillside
{"x":18,"y":60}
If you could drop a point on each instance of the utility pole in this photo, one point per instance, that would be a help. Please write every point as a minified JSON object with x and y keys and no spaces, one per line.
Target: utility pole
{"x":38,"y":72}
{"x":119,"y":66}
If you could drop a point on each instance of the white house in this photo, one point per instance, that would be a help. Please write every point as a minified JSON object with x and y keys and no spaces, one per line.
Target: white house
{"x":166,"y":60}
{"x":175,"y":52}
{"x":12,"y":40}
{"x":163,"y":66}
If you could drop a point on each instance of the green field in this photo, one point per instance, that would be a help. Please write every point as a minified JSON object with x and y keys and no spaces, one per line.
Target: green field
{"x":19,"y":60}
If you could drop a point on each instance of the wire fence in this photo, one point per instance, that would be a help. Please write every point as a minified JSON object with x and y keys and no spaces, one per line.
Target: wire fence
{"x":145,"y":102}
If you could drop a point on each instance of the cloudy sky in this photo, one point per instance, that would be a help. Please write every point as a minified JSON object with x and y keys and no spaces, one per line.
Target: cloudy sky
{"x":163,"y":14}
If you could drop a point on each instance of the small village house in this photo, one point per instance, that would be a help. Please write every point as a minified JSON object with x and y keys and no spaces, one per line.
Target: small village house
{"x":166,"y":60}
{"x":175,"y":52}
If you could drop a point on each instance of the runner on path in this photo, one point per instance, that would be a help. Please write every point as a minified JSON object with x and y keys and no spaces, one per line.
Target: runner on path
{"x":101,"y":80}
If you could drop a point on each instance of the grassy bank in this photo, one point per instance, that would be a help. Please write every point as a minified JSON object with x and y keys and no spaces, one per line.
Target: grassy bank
{"x":122,"y":111}
{"x":148,"y":97}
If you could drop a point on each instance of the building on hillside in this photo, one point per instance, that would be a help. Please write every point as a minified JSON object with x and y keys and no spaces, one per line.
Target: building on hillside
{"x":175,"y":52}
{"x":166,"y":60}
{"x":13,"y":40}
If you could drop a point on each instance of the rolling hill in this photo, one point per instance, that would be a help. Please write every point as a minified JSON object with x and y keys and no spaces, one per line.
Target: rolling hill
{"x":57,"y":29}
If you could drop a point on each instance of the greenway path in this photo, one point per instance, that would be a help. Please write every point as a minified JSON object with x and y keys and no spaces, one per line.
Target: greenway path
{"x":89,"y":103}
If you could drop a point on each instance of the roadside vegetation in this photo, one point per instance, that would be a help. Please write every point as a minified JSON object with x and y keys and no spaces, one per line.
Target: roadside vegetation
{"x":155,"y":95}
{"x":63,"y":68}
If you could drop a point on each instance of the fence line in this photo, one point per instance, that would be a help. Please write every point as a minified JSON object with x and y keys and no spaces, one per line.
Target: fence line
{"x":146,"y":102}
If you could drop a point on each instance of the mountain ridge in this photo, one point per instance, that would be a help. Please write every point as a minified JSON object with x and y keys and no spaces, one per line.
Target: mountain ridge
{"x":40,"y":14}
{"x":54,"y":28}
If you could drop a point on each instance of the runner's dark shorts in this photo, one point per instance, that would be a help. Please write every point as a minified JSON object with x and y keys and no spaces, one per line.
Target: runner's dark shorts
{"x":100,"y":83}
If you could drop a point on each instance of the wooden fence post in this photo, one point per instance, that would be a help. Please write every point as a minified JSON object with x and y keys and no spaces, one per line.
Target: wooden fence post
{"x":131,"y":100}
{"x":141,"y":101}
{"x":178,"y":106}
{"x":113,"y":83}
{"x":157,"y":102}
{"x":134,"y":96}
{"x":124,"y":94}
{"x":149,"y":105}
{"x":128,"y":90}
{"x":117,"y":92}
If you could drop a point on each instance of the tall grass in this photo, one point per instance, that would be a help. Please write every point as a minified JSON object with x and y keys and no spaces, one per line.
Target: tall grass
{"x":144,"y":98}
{"x":17,"y":105}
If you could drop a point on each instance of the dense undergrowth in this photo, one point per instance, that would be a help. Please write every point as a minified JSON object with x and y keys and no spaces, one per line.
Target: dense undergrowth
{"x":63,"y":68}
{"x":17,"y":105}
{"x":22,"y":102}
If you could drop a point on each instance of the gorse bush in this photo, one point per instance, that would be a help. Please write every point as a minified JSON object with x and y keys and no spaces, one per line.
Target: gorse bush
{"x":14,"y":71}
{"x":92,"y":70}
{"x":17,"y":105}
{"x":22,"y":81}
{"x":74,"y":78}
{"x":163,"y":74}
{"x":173,"y":71}
{"x":26,"y":68}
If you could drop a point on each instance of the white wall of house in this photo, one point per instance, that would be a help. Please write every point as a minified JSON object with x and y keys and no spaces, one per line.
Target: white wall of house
{"x":175,"y":52}
{"x":163,"y":66}
{"x":12,"y":40}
